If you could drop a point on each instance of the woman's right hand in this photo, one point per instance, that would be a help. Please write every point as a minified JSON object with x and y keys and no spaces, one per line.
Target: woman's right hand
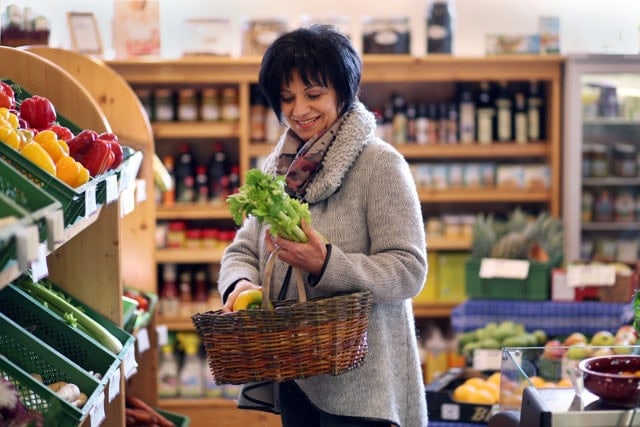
{"x":241,"y":286}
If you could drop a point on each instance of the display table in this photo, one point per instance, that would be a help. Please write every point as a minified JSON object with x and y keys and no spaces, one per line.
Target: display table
{"x":555,"y":318}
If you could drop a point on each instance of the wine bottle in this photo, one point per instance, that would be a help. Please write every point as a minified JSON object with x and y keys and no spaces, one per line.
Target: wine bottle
{"x":485,"y":113}
{"x":503,"y":113}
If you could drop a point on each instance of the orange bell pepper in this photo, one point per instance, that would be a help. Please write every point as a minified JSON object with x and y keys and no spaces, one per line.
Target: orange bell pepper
{"x":71,"y":172}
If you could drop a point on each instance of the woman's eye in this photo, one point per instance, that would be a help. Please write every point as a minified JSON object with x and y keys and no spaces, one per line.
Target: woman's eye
{"x":286,"y":100}
{"x":314,"y":96}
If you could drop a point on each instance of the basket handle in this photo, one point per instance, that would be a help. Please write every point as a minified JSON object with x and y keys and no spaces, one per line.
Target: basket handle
{"x":266,"y":285}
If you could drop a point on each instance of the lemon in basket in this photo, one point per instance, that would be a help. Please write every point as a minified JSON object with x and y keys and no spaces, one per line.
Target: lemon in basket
{"x":248,"y":300}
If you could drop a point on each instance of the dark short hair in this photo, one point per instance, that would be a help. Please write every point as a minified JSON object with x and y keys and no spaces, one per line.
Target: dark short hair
{"x":321,"y":55}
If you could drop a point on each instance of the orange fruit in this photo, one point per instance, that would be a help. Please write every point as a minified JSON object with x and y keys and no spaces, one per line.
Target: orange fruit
{"x":482,"y":397}
{"x":537,"y":382}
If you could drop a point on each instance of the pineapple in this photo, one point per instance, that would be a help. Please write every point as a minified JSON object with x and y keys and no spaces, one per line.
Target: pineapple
{"x":484,"y":236}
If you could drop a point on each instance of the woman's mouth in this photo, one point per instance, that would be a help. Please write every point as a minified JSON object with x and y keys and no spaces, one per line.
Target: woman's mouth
{"x":305,"y":124}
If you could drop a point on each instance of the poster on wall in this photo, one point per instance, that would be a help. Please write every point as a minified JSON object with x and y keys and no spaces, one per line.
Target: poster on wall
{"x":136,"y":27}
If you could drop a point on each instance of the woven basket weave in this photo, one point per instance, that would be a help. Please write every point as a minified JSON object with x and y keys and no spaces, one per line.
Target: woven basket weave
{"x":298,"y":339}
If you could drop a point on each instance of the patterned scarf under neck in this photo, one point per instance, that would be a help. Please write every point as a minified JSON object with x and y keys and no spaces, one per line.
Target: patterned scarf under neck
{"x":299,"y":161}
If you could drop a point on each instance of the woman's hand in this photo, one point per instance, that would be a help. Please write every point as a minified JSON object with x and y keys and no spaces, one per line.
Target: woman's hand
{"x":308,"y":256}
{"x":242,"y":285}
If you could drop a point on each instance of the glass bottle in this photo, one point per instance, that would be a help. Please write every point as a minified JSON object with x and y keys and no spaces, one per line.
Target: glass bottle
{"x":535,"y":113}
{"x":185,"y":175}
{"x":440,"y":27}
{"x":467,"y":115}
{"x":422,"y":124}
{"x":485,"y":112}
{"x":399,"y":119}
{"x":210,"y":104}
{"x":217,"y":170}
{"x":520,"y":119}
{"x":503,"y":113}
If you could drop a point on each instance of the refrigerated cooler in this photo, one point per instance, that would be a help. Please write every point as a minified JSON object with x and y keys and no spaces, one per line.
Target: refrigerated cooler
{"x":601,"y":149}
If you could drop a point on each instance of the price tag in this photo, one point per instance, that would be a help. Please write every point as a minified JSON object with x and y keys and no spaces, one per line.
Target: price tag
{"x":142,"y":340}
{"x":96,"y":414}
{"x":114,"y":384}
{"x":55,"y":228}
{"x":127,"y":201}
{"x":506,"y":268}
{"x":163,"y":335}
{"x":141,"y":190}
{"x":39,"y":269}
{"x":126,"y":178}
{"x":90,"y":204}
{"x":450,"y":411}
{"x":591,"y":275}
{"x":112,"y":188}
{"x":27,"y":242}
{"x":129,"y":362}
{"x":487,"y":360}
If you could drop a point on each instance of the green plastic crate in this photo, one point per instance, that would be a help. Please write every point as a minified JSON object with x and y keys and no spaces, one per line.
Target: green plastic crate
{"x":178,"y":419}
{"x":8,"y":232}
{"x":127,"y":340}
{"x":55,"y":332}
{"x":23,"y":355}
{"x":536,"y":287}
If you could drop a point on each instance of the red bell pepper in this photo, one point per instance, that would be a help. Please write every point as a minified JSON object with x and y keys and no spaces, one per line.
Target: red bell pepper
{"x":63,"y":132}
{"x":80,"y":143}
{"x":98,"y":158}
{"x":7,"y":96}
{"x":38,"y":111}
{"x":115,"y":147}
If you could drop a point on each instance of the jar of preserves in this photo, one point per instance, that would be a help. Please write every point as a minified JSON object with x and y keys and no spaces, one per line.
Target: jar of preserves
{"x":210,"y":104}
{"x":625,"y":162}
{"x":187,"y":105}
{"x":599,"y":161}
{"x":164,"y":105}
{"x":229,"y":107}
{"x":386,"y":35}
{"x":176,"y":234}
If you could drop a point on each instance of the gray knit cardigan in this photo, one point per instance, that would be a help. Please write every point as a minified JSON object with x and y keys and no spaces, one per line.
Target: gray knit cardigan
{"x":364,"y":201}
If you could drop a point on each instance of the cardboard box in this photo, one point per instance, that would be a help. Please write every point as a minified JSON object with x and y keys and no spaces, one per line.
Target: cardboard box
{"x":442,"y":407}
{"x":451,"y":276}
{"x":534,"y":286}
{"x":620,"y":291}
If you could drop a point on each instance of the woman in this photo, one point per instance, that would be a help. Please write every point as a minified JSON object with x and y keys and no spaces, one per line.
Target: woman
{"x":363,"y":201}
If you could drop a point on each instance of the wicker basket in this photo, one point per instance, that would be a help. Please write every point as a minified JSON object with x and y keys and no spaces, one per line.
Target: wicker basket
{"x":298,"y":339}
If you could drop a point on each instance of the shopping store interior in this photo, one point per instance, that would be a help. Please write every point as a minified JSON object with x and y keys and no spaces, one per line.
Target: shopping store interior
{"x":521,"y":129}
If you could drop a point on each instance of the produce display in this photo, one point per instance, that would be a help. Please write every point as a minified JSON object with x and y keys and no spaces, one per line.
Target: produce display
{"x":29,"y":124}
{"x":518,"y":237}
{"x":495,"y":336}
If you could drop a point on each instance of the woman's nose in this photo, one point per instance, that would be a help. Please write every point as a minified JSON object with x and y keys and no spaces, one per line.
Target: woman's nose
{"x":300,"y":108}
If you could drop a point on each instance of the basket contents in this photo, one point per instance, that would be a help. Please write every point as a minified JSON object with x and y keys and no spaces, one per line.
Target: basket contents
{"x":139,"y":413}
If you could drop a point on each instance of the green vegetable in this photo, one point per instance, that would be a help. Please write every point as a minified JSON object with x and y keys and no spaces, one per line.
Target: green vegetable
{"x":263,"y":196}
{"x":64,"y":308}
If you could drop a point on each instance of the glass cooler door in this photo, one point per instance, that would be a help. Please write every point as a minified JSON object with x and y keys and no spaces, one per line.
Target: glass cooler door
{"x":601,"y":179}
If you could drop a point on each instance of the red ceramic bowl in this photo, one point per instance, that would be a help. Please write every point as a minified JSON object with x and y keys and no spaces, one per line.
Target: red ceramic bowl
{"x":612,"y":378}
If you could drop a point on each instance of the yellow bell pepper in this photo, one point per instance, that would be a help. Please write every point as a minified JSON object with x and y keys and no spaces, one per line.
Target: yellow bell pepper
{"x":9,"y":136}
{"x":38,"y":155}
{"x":56,"y":148}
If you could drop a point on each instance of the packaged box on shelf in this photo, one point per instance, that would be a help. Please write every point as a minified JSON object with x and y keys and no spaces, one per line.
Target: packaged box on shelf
{"x":429,"y":293}
{"x":491,"y":278}
{"x":593,"y":283}
{"x":442,"y":407}
{"x":451,"y":276}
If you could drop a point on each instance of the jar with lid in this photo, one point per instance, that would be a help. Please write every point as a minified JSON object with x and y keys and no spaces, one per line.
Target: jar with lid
{"x":229,"y":107}
{"x":603,"y":207}
{"x":164,"y":104}
{"x":258,"y":115}
{"x":625,"y":162}
{"x":439,"y":27}
{"x":176,"y":234}
{"x":386,"y":35}
{"x":624,"y":206}
{"x":210,"y":104}
{"x":187,"y":105}
{"x":587,"y":160}
{"x":587,"y":207}
{"x":599,"y":161}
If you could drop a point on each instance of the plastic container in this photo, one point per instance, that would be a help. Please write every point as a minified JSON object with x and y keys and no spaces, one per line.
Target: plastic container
{"x":191,"y":381}
{"x":168,"y":372}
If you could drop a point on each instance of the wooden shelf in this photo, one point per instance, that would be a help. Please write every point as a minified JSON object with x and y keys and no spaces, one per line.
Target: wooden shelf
{"x":226,"y":413}
{"x":189,"y":255}
{"x":182,"y":130}
{"x":474,"y":151}
{"x":445,"y":243}
{"x":436,"y":309}
{"x":482,"y":195}
{"x":193,"y":211}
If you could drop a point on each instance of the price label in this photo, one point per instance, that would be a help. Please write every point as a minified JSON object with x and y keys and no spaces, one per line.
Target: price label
{"x":127,"y":201}
{"x":112,"y":188}
{"x":27,"y":242}
{"x":114,"y":384}
{"x":130,"y":364}
{"x":591,"y":275}
{"x":487,"y":360}
{"x":142,"y":340}
{"x":506,"y":268}
{"x":450,"y":411}
{"x":55,"y":228}
{"x":39,"y":269}
{"x":90,"y":204}
{"x":141,"y":190}
{"x":163,"y":335}
{"x":96,"y":414}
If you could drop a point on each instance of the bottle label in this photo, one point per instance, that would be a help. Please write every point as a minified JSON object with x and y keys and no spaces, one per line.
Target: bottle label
{"x":520,"y":127}
{"x":467,"y":125}
{"x":504,"y":124}
{"x":437,"y":32}
{"x":485,"y":125}
{"x":534,"y":124}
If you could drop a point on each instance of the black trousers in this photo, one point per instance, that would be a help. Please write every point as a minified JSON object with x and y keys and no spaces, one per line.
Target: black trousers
{"x":297,"y":411}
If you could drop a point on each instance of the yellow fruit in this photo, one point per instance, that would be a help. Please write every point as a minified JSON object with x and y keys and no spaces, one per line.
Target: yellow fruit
{"x":463,"y":392}
{"x":495,"y":378}
{"x":247,"y":300}
{"x":482,"y":397}
{"x":565,"y":382}
{"x":537,"y":382}
{"x":478,"y":383}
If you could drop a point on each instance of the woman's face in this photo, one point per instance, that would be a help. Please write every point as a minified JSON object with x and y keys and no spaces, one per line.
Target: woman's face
{"x":308,"y":110}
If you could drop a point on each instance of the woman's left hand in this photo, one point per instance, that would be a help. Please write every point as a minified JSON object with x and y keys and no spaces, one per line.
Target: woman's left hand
{"x":308,"y":256}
